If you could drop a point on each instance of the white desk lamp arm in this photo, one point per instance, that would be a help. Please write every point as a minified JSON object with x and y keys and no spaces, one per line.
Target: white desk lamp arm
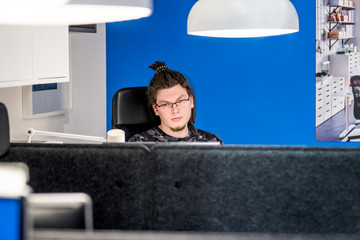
{"x":31,"y":132}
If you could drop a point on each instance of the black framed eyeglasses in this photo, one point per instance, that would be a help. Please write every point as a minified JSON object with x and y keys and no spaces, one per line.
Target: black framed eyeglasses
{"x":178,"y":103}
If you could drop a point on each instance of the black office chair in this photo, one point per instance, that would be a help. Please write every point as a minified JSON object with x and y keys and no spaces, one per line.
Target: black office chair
{"x":130,"y":111}
{"x":4,"y":130}
{"x":355,"y":86}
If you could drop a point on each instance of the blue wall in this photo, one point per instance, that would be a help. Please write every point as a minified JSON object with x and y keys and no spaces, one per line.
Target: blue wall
{"x":249,"y":91}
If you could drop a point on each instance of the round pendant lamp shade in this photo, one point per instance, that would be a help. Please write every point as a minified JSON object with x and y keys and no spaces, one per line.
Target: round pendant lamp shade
{"x":67,"y":12}
{"x":242,"y":18}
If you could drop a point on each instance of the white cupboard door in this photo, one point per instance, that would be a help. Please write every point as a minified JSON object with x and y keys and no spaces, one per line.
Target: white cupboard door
{"x":51,"y":52}
{"x":16,"y":53}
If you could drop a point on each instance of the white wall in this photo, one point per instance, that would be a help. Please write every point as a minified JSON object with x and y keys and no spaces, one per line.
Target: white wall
{"x":88,"y":73}
{"x":88,"y":83}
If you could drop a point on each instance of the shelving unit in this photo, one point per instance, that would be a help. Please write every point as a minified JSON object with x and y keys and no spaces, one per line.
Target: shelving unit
{"x":334,"y":24}
{"x":333,"y":41}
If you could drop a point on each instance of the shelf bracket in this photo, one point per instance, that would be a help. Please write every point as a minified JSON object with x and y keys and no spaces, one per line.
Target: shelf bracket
{"x":336,"y":24}
{"x":335,"y":9}
{"x":331,"y":45}
{"x":345,"y":41}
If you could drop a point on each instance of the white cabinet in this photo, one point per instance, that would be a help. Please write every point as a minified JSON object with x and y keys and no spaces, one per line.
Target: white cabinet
{"x":338,"y":102}
{"x":16,"y":53}
{"x":323,"y":99}
{"x":327,"y":103}
{"x":33,"y":55}
{"x":327,"y":88}
{"x":51,"y":52}
{"x":319,"y":103}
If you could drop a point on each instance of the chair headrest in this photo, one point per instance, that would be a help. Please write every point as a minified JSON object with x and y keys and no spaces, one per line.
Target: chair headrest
{"x":355,"y":80}
{"x":4,"y":130}
{"x":129,"y":106}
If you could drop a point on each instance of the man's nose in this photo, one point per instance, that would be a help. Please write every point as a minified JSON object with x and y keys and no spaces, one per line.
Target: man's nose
{"x":174,"y":107}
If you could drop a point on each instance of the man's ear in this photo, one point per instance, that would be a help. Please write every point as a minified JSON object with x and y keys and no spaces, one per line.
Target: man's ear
{"x":155,"y":110}
{"x":192,"y":101}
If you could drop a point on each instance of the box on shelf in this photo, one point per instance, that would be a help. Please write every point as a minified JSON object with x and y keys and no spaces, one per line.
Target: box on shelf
{"x":335,"y":35}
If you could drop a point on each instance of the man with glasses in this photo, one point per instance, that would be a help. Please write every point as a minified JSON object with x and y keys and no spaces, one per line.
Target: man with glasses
{"x":173,"y":102}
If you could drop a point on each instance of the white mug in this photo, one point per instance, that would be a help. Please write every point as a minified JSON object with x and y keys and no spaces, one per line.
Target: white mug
{"x":116,"y":135}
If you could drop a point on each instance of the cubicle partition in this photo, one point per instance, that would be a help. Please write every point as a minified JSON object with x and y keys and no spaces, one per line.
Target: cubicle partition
{"x":257,"y":189}
{"x":184,"y":187}
{"x":116,"y":178}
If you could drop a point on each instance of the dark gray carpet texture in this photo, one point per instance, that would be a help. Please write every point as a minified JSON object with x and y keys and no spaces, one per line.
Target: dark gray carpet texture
{"x":169,"y":187}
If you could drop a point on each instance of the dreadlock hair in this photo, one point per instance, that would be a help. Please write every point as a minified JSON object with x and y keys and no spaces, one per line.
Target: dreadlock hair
{"x":166,"y":78}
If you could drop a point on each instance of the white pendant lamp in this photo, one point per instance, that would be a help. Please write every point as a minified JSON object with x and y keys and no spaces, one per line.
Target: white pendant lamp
{"x":66,"y":12}
{"x":242,"y":18}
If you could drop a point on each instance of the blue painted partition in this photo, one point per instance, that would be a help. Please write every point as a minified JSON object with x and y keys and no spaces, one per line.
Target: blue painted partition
{"x":10,"y":219}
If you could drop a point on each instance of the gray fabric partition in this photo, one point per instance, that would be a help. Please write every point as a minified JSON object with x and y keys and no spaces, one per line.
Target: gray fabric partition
{"x":116,"y":178}
{"x":257,"y":189}
{"x":204,"y":188}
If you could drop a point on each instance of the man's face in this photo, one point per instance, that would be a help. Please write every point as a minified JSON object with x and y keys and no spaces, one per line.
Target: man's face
{"x":174,"y":117}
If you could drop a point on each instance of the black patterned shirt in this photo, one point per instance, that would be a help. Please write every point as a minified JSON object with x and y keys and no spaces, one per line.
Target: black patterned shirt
{"x":155,"y":134}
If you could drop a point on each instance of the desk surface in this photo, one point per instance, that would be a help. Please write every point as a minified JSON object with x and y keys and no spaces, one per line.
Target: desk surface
{"x":146,"y":235}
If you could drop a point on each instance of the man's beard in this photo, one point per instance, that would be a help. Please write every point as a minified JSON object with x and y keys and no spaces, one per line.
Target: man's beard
{"x":178,"y":129}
